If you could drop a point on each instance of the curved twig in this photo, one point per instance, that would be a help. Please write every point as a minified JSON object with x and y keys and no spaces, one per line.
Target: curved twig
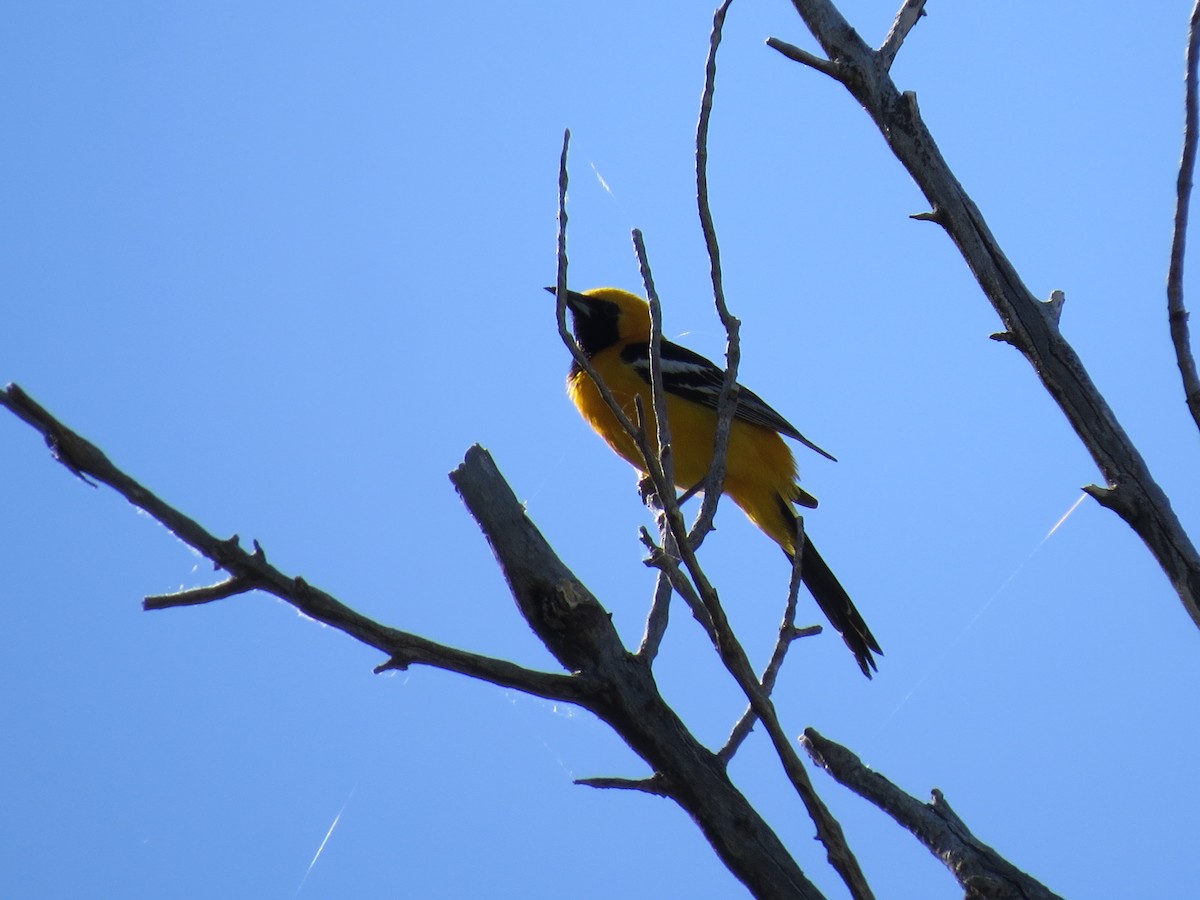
{"x":714,"y":480}
{"x":1177,"y":315}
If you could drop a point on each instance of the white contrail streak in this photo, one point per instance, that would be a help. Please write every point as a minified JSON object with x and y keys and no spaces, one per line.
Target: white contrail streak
{"x":325,"y":841}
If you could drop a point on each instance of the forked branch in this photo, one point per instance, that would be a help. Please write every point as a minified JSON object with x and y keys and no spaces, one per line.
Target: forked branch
{"x":1032,"y":327}
{"x":983,"y":873}
{"x":250,"y":570}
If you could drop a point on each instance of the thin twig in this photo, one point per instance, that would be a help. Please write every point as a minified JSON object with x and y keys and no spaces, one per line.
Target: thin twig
{"x":909,"y":14}
{"x":1177,"y":315}
{"x":787,"y":634}
{"x":560,"y":293}
{"x":667,"y":563}
{"x":658,"y":393}
{"x":656,"y":621}
{"x":564,"y":332}
{"x":560,"y":281}
{"x":637,"y":435}
{"x":727,"y":400}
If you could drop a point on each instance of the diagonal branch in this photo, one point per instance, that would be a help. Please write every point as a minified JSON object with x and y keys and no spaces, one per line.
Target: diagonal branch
{"x":983,"y":873}
{"x":732,"y":655}
{"x":1031,"y":326}
{"x":658,"y":393}
{"x":576,"y":629}
{"x":802,"y":56}
{"x":1177,"y":315}
{"x":86,"y":460}
{"x":910,"y":13}
{"x":656,"y":620}
{"x":652,"y":785}
{"x":579,"y":632}
{"x":230,"y":587}
{"x":787,"y":634}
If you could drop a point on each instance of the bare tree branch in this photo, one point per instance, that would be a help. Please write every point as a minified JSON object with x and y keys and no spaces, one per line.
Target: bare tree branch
{"x":87,"y":460}
{"x":733,"y":656}
{"x":666,"y":560}
{"x":1177,"y":315}
{"x":658,"y":394}
{"x":802,"y":56}
{"x":1130,"y":490}
{"x":727,"y":399}
{"x":230,"y":587}
{"x":575,"y":628}
{"x":829,"y":831}
{"x":656,"y":621}
{"x":637,"y":433}
{"x":787,"y":634}
{"x":910,"y":13}
{"x":983,"y":873}
{"x":580,"y":633}
{"x":652,"y":785}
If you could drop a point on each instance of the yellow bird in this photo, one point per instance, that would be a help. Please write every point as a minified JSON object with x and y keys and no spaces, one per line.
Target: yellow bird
{"x":612,"y":327}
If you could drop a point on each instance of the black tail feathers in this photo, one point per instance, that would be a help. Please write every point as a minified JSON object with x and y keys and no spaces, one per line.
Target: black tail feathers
{"x":839,"y":609}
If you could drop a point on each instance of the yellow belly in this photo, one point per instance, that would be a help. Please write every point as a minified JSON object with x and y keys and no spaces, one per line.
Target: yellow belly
{"x":760,"y":469}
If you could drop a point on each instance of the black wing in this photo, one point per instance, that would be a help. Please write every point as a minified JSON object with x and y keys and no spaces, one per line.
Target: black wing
{"x":689,"y":375}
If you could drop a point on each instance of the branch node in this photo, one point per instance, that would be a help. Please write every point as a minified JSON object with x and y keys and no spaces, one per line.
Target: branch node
{"x":795,"y":54}
{"x":196,"y":596}
{"x":1110,"y":497}
{"x":1006,"y":337}
{"x":397,"y":663}
{"x":909,"y":99}
{"x":66,"y":451}
{"x":655,"y":784}
{"x":224,"y":550}
{"x":807,"y":631}
{"x":1052,"y":308}
{"x":934,"y":215}
{"x":572,"y":595}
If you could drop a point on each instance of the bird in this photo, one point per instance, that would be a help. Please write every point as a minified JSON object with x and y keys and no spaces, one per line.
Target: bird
{"x":612,"y":328}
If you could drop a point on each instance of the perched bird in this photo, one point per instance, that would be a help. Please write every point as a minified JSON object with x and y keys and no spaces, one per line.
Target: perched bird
{"x":612,"y":327}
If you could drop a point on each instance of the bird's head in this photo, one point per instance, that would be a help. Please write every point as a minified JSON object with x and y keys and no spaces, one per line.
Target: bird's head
{"x":606,"y":316}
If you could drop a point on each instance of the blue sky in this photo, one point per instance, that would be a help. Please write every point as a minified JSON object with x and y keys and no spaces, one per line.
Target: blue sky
{"x":284,"y":262}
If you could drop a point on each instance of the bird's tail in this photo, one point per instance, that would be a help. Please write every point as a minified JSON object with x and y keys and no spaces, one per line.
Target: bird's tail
{"x":839,"y":609}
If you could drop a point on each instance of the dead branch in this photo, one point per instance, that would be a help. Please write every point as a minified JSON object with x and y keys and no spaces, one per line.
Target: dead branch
{"x":1029,"y":325}
{"x":983,"y":873}
{"x":1177,"y":315}
{"x":605,"y":678}
{"x":86,"y":460}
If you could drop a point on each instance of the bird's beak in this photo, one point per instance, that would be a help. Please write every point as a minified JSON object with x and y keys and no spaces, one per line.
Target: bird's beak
{"x":576,"y":302}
